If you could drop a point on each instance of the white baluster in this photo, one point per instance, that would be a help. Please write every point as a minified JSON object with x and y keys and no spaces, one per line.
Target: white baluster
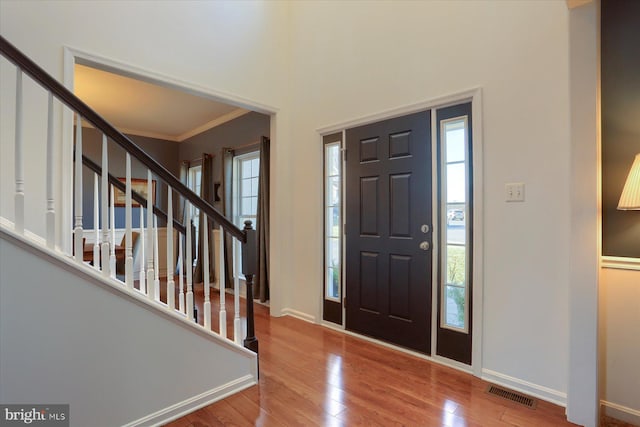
{"x":77,"y":230}
{"x":221,"y":285}
{"x":128,"y":250}
{"x":19,"y":166}
{"x":238,"y":325}
{"x":156,"y":261}
{"x":150,"y":279}
{"x":189,"y":267}
{"x":205,"y":264}
{"x":51,"y":216}
{"x":171,"y":295}
{"x":180,"y":275}
{"x":104,"y":203}
{"x":112,"y":221}
{"x":96,"y":223}
{"x":143,"y":259}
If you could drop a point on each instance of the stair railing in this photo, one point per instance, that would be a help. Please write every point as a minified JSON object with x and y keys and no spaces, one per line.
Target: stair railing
{"x":104,"y":252}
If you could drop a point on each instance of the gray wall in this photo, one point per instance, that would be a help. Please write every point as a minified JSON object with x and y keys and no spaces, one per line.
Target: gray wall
{"x":163,"y":151}
{"x":83,"y":342}
{"x":244,"y":130}
{"x":620,"y":122}
{"x":241,"y":131}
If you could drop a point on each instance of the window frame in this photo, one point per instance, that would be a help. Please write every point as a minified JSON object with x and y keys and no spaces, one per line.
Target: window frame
{"x":237,"y":189}
{"x":238,"y":218}
{"x":194,"y":183}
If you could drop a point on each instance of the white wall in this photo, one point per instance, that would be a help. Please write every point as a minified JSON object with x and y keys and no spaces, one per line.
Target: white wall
{"x":323,"y":63}
{"x":351,"y":61}
{"x":68,"y":338}
{"x":620,"y":343}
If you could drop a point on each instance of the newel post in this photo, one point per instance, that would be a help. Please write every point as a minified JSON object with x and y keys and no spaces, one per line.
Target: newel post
{"x":249,"y":266}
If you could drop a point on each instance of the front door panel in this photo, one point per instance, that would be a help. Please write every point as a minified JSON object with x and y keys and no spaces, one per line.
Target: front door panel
{"x":388,"y":252}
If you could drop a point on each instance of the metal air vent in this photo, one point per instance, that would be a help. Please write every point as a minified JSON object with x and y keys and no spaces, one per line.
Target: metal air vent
{"x":512,"y":396}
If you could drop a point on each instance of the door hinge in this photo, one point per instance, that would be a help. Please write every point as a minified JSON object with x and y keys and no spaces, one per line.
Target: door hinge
{"x":344,"y":154}
{"x":344,"y":301}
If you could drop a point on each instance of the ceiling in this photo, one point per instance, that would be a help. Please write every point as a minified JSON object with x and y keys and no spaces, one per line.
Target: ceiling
{"x":140,"y":108}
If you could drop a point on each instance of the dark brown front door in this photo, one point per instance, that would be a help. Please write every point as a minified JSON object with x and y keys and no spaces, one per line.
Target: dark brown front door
{"x":388,"y":230}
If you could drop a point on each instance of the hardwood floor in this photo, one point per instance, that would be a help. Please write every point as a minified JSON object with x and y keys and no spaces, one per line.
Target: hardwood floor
{"x":313,"y":376}
{"x":606,"y":421}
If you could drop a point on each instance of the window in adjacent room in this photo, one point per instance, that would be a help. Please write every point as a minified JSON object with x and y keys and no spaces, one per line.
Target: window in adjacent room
{"x":246,"y":173}
{"x":194,"y":182}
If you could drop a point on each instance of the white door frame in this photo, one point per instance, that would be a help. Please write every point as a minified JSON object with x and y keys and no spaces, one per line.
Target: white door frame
{"x":475,"y":97}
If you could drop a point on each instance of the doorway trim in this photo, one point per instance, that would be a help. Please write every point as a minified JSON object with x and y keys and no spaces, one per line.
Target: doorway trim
{"x":474,"y":96}
{"x":73,"y":56}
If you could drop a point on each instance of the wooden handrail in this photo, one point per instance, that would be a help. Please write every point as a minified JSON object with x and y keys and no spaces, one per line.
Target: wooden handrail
{"x":68,"y":98}
{"x":135,"y":196}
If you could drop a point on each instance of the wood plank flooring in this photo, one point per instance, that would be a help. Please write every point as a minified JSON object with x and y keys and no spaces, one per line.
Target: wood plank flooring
{"x":606,"y":421}
{"x":313,"y":376}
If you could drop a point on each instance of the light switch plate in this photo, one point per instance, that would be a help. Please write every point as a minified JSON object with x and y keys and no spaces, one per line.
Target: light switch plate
{"x":514,"y":192}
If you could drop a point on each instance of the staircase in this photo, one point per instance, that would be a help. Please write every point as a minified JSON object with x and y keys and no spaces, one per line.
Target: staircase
{"x":79,"y":324}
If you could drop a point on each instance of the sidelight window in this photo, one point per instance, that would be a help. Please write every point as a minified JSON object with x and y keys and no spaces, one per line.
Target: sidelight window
{"x":455,"y":223}
{"x":333,"y":220}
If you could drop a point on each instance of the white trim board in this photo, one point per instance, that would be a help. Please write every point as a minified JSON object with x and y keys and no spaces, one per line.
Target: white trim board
{"x":128,"y":70}
{"x":35,"y":239}
{"x":620,"y":263}
{"x":187,"y":406}
{"x":526,"y":387}
{"x":298,"y":315}
{"x":620,"y":412}
{"x":478,"y":231}
{"x":439,"y":102}
{"x":435,"y":235}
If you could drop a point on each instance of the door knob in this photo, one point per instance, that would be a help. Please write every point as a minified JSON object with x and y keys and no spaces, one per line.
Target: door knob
{"x":424,"y":246}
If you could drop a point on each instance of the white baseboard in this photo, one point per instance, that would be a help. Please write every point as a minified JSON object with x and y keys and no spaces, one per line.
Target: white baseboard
{"x":526,"y":387}
{"x":185,"y":407}
{"x":622,"y":413}
{"x":298,"y":315}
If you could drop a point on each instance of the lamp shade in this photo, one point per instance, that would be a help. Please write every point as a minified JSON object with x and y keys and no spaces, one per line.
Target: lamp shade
{"x":630,"y":198}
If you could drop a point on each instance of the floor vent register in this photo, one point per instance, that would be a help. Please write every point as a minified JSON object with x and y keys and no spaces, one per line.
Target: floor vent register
{"x":512,"y":396}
